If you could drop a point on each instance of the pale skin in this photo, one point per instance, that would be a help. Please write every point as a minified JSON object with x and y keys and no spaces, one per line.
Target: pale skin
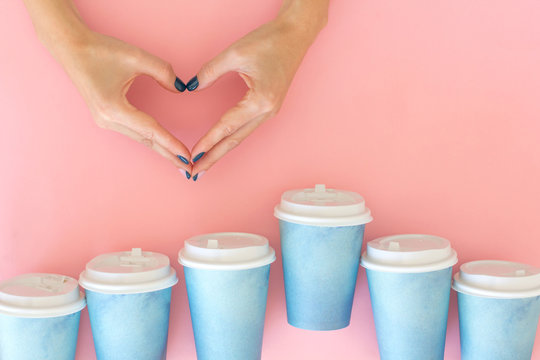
{"x":103,"y":68}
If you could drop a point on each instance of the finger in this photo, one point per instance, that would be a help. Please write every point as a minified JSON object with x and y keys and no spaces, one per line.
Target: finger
{"x":185,"y":169}
{"x":153,"y":132}
{"x":235,"y":118}
{"x":161,"y":71}
{"x":223,"y":63}
{"x":145,"y":125}
{"x":226,"y":145}
{"x":151,"y":144}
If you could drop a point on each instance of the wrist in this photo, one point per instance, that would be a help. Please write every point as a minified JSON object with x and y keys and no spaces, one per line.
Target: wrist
{"x":60,"y":40}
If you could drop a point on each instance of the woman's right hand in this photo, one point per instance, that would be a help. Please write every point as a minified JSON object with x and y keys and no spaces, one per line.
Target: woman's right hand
{"x":103,"y":68}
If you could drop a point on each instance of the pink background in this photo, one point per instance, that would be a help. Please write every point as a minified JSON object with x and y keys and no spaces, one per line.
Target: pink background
{"x":429,"y":109}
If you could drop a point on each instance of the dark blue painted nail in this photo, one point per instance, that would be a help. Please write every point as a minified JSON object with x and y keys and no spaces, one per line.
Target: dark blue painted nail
{"x":188,"y":175}
{"x":179,"y":85}
{"x":193,"y":83}
{"x":184,"y":160}
{"x":195,"y":177}
{"x":198,"y":157}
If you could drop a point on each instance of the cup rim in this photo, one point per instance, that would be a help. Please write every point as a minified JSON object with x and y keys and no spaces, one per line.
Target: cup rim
{"x":44,"y":312}
{"x":133,"y":288}
{"x":449,"y":262}
{"x":240,"y":265}
{"x":460,"y":286}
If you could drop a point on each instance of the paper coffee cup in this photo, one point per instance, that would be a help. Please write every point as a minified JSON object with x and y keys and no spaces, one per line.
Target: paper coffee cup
{"x":227,"y":284}
{"x":129,"y":296}
{"x":39,"y":317}
{"x":409,"y":279}
{"x":499,"y":308}
{"x":321,"y":234}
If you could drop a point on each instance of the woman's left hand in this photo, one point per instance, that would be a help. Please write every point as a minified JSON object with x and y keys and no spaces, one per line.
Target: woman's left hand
{"x":267,"y":60}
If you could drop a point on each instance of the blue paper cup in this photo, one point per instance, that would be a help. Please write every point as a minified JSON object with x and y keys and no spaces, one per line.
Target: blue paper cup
{"x":321,"y":234}
{"x":409,"y":279}
{"x":499,"y":308}
{"x":130,"y":326}
{"x":129,"y":298}
{"x":497,"y":329}
{"x":410,"y":313}
{"x":320,"y":266}
{"x":39,"y":317}
{"x":52,"y":338}
{"x":227,"y":285}
{"x":227,"y":311}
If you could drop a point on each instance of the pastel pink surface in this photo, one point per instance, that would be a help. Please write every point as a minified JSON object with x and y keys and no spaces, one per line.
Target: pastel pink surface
{"x":428,"y":109}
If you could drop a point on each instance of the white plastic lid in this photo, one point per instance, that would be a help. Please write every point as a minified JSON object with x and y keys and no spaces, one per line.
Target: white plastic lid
{"x":40,"y":296}
{"x":226,"y":251}
{"x":320,"y":206}
{"x":498,"y":279}
{"x":409,"y":253}
{"x":128,"y":272}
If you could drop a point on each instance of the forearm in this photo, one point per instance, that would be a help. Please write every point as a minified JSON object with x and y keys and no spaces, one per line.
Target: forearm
{"x":310,"y":15}
{"x":57,"y":23}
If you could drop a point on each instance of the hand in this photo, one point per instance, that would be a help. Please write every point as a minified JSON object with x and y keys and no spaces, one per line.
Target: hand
{"x":267,"y":60}
{"x":103,"y":68}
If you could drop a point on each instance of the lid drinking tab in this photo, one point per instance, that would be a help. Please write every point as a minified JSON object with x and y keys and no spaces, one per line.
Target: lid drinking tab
{"x":40,"y":296}
{"x":135,"y":259}
{"x":498,"y":279}
{"x":128,"y":272}
{"x":226,"y":251}
{"x":409,"y":253}
{"x":322,"y":206}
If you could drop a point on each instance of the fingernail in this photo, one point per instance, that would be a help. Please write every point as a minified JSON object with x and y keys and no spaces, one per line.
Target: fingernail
{"x":184,"y":160}
{"x":179,"y":85}
{"x":197,"y":176}
{"x":193,"y":83}
{"x":198,"y":157}
{"x":188,"y":175}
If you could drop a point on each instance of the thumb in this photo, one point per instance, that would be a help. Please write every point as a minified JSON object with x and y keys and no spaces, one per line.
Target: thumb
{"x":216,"y":68}
{"x":161,"y":71}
